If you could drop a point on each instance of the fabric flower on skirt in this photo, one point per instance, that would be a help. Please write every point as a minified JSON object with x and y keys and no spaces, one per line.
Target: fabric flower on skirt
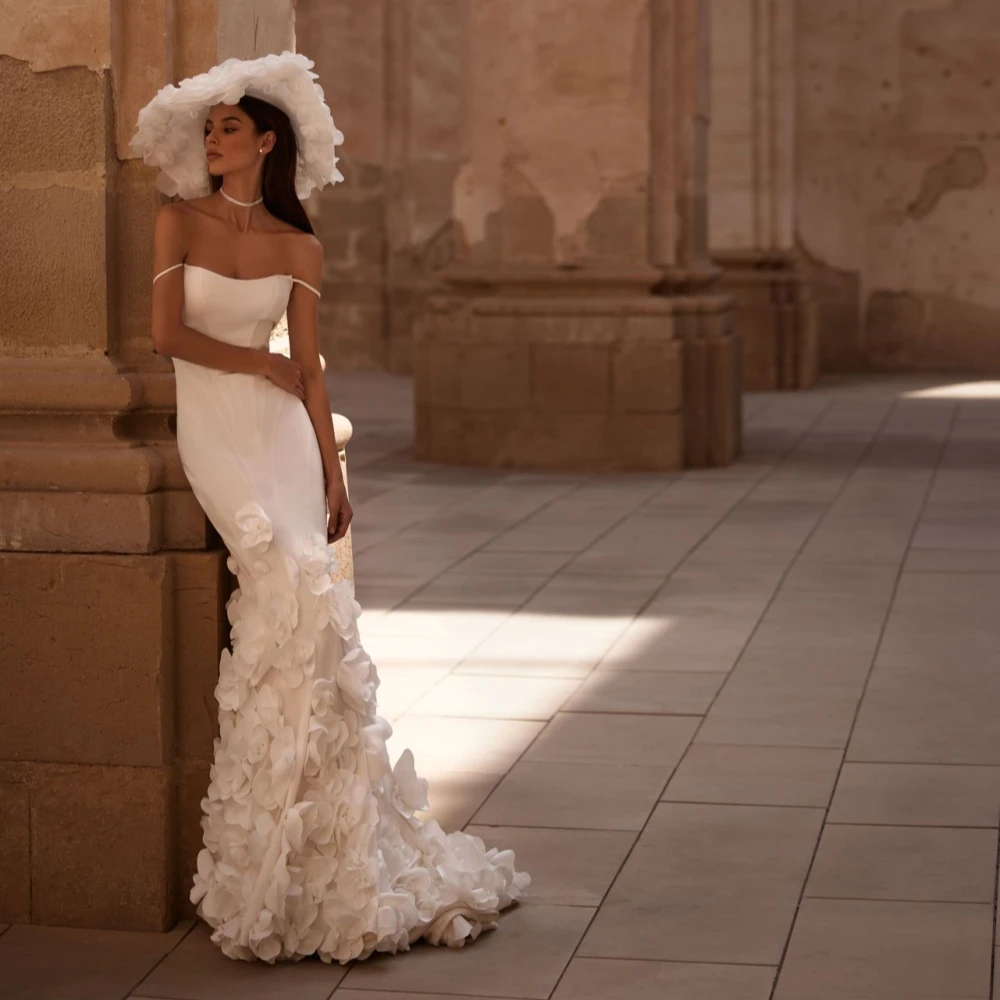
{"x":255,"y":525}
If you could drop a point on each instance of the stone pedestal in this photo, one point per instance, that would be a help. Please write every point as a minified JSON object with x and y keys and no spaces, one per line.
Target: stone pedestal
{"x":575,"y":370}
{"x":112,"y":583}
{"x":554,"y":370}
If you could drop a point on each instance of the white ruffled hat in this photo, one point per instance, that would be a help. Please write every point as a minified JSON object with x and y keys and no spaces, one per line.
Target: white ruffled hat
{"x":170,"y":131}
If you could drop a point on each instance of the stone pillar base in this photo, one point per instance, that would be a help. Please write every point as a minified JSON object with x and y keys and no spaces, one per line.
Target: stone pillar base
{"x":110,"y":662}
{"x":574,"y":370}
{"x":713,"y":380}
{"x":775,"y":317}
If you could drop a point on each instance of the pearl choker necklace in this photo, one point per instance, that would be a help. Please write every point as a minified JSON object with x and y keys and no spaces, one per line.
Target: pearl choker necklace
{"x":242,"y":204}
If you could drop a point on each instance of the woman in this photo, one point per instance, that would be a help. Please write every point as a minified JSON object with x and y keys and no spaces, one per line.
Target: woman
{"x":311,"y":842}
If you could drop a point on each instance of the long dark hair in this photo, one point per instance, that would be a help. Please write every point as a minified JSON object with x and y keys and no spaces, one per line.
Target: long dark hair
{"x":278,"y":178}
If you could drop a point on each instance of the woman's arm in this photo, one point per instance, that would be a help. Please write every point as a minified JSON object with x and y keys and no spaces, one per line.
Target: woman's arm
{"x":171,"y":336}
{"x":303,"y":342}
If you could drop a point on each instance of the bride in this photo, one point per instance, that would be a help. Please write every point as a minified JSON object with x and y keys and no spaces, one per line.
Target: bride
{"x":311,"y":842}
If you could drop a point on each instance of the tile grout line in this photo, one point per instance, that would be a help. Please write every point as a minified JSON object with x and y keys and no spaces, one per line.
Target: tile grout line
{"x":739,"y":805}
{"x":548,"y":579}
{"x":784,"y":574}
{"x":847,"y":476}
{"x":510,"y":612}
{"x":874,"y":657}
{"x":759,"y":481}
{"x":656,"y":494}
{"x":909,"y":901}
{"x":457,"y":501}
{"x":160,"y":960}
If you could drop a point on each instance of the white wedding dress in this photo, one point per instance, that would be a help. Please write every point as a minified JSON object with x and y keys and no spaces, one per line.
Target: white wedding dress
{"x":311,"y":845}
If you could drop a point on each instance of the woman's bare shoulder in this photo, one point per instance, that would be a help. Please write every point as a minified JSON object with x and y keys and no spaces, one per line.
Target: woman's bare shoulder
{"x":305,"y":254}
{"x":306,"y":244}
{"x":169,"y":227}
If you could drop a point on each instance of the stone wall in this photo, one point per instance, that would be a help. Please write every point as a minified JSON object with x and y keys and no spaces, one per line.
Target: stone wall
{"x":447,"y":162}
{"x":898,"y":176}
{"x":853,"y":156}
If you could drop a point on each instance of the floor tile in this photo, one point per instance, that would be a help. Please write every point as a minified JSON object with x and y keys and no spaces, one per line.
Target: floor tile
{"x":445,"y":743}
{"x":840,"y":578}
{"x":683,"y":638}
{"x":868,"y":950}
{"x":197,"y":970}
{"x":905,"y":863}
{"x":783,"y":707}
{"x":708,"y":883}
{"x":496,"y":697}
{"x":622,"y":979}
{"x":917,"y":795}
{"x":580,"y":738}
{"x":647,"y":692}
{"x":579,"y":796}
{"x":749,"y":775}
{"x":567,"y":867}
{"x":552,"y":536}
{"x":409,"y":650}
{"x":590,"y":597}
{"x":945,"y":717}
{"x":523,"y":958}
{"x":454,"y":797}
{"x":401,"y":687}
{"x":557,"y":665}
{"x":811,"y":620}
{"x":569,"y":634}
{"x":476,"y":590}
{"x":947,"y":560}
{"x":422,"y":622}
{"x":512,"y":563}
{"x":68,"y":963}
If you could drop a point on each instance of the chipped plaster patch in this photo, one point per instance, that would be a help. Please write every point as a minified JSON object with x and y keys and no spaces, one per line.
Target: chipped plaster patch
{"x":965,"y":168}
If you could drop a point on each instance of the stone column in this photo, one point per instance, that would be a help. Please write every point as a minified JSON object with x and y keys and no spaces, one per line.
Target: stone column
{"x":680,"y":119}
{"x":576,"y":186}
{"x":752,"y":183}
{"x":112,"y":584}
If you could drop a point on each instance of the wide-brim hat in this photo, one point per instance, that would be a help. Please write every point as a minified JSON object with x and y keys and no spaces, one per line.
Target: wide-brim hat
{"x":170,"y":131}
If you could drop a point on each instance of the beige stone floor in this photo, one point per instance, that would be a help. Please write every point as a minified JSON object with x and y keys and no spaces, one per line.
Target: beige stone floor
{"x":742,"y":726}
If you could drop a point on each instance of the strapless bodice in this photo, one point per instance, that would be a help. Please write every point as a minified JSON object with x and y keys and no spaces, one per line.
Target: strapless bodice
{"x":239,"y":311}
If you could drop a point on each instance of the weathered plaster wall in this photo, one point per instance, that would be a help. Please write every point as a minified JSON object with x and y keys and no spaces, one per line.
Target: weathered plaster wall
{"x":556,"y":120}
{"x":751,"y":164}
{"x":898,"y":180}
{"x":474,"y":131}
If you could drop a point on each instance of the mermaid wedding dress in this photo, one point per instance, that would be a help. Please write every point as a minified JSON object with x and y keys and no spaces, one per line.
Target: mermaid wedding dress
{"x":311,"y":845}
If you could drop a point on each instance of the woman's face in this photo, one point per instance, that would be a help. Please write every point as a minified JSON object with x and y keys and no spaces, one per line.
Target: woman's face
{"x":230,"y":140}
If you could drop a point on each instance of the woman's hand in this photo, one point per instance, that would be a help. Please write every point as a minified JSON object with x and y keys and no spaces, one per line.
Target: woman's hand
{"x":340,"y":510}
{"x":285,"y":374}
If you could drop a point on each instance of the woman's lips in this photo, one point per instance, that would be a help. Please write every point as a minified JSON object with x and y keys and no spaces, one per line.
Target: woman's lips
{"x":212,"y":156}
